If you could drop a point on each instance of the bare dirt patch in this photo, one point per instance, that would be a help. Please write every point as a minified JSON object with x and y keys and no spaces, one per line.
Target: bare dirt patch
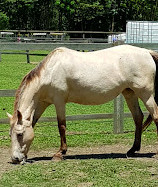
{"x":4,"y":161}
{"x":147,"y":153}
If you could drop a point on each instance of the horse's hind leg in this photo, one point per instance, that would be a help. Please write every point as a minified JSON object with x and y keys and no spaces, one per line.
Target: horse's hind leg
{"x":133,"y":104}
{"x":60,"y":110}
{"x":149,"y":102}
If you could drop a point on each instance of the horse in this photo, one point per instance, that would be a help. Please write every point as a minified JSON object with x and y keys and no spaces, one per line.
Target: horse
{"x":88,"y":78}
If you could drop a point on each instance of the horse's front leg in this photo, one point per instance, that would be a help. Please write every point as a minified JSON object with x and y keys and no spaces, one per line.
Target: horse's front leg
{"x":133,"y":104}
{"x":60,"y":110}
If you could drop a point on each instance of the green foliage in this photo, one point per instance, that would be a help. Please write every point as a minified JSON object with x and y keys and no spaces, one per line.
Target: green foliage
{"x":67,"y":5}
{"x":4,"y":21}
{"x":103,"y":15}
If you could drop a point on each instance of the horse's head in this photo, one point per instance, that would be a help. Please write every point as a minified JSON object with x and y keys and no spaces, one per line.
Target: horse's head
{"x":22,"y":134}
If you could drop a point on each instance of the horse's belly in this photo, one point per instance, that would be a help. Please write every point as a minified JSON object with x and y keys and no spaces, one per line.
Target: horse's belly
{"x":92,"y":97}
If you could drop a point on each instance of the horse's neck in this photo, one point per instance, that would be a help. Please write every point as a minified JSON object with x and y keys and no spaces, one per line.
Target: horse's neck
{"x":31,"y":103}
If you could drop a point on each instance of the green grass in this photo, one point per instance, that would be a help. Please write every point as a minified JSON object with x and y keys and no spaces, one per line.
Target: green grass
{"x":91,"y":172}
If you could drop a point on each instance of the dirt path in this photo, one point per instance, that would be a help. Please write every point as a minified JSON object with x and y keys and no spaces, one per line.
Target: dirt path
{"x":147,"y":153}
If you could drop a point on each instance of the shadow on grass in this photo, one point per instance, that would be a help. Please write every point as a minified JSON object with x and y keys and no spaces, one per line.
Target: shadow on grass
{"x":108,"y":156}
{"x":95,"y":156}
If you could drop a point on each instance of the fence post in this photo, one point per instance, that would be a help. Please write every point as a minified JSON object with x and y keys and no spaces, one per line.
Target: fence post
{"x":118,"y":114}
{"x":28,"y":57}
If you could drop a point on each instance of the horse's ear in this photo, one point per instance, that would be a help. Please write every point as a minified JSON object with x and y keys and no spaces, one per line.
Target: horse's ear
{"x":19,"y":116}
{"x":9,"y":116}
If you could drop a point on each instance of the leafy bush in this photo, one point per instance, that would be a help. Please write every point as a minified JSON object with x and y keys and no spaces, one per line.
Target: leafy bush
{"x":4,"y":21}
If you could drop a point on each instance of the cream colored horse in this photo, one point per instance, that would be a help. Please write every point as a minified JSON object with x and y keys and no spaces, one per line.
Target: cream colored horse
{"x":89,"y":78}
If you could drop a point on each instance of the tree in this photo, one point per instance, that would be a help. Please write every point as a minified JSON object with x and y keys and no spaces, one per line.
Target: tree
{"x":105,"y":15}
{"x":4,"y":21}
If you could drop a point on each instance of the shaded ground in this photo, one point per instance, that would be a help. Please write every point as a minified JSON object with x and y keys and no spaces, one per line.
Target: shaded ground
{"x":147,"y":153}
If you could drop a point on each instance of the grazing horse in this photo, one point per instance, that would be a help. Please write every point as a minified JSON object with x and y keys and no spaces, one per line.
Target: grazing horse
{"x":89,"y":78}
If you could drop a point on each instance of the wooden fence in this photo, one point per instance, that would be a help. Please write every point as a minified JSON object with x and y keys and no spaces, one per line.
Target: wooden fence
{"x":118,"y":115}
{"x":4,"y":47}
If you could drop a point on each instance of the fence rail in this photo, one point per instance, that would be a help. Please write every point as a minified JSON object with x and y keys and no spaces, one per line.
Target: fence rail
{"x":4,"y":47}
{"x":118,"y":114}
{"x":76,"y":46}
{"x":50,"y":46}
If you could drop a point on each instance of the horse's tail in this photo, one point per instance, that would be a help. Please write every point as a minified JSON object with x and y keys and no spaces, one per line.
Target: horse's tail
{"x":149,"y":118}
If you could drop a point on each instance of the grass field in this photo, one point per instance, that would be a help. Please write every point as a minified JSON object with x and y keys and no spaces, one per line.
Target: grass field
{"x":81,"y":135}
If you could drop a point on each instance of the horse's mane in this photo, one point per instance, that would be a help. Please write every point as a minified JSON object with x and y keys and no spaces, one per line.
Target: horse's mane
{"x":36,"y":72}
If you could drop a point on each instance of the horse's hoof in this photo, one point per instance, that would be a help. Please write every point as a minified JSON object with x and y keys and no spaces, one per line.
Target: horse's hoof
{"x":64,"y":152}
{"x":57,"y":158}
{"x":130,"y":154}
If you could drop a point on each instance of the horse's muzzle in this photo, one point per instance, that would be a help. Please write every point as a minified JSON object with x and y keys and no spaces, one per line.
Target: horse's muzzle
{"x":16,"y":160}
